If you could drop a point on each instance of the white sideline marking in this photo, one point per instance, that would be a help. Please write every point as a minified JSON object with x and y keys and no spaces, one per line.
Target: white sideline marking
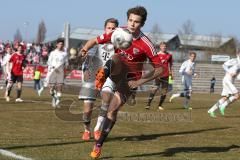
{"x":13,"y":155}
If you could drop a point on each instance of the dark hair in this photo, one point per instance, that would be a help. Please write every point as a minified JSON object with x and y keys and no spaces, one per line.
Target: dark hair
{"x":111,"y":20}
{"x":20,"y":45}
{"x":194,"y":53}
{"x":59,"y":40}
{"x":140,"y":11}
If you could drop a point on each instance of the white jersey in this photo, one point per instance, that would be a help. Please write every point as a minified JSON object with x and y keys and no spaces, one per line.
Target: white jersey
{"x":187,"y":66}
{"x":97,"y":57}
{"x":4,"y":62}
{"x":57,"y":59}
{"x":231,"y":67}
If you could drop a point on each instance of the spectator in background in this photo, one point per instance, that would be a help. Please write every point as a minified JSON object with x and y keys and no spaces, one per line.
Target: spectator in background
{"x":36,"y":59}
{"x":44,"y":55}
{"x":37,"y":78}
{"x":213,"y":82}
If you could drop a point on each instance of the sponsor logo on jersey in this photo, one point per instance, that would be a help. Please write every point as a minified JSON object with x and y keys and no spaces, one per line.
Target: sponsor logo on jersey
{"x":135,"y":51}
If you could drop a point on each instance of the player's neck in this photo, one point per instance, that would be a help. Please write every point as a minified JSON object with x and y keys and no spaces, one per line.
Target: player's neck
{"x":136,"y":34}
{"x":60,"y":50}
{"x":162,"y":52}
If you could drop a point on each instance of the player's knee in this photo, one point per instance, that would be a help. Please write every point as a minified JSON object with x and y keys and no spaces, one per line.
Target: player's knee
{"x":88,"y":101}
{"x":51,"y":92}
{"x":9,"y":86}
{"x":103,"y":110}
{"x":237,"y":96}
{"x":112,"y":115}
{"x":86,"y":118}
{"x":59,"y":94}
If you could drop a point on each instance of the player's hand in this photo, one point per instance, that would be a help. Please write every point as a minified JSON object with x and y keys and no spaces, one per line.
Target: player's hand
{"x":233,"y":74}
{"x":189,"y":72}
{"x":195,"y":75}
{"x":133,"y":84}
{"x":83,"y":53}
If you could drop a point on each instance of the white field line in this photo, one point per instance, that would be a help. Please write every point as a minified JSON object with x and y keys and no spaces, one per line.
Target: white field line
{"x":13,"y":155}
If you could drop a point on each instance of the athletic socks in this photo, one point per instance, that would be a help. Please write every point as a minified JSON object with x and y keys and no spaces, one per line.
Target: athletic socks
{"x":19,"y":91}
{"x":227,"y":102}
{"x":101,"y":117}
{"x":150,"y":98}
{"x":215,"y":106}
{"x":162,"y":98}
{"x":107,"y":126}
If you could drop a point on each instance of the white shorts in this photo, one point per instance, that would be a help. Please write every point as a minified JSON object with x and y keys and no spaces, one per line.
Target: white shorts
{"x":56,"y":77}
{"x":228,"y":88}
{"x":109,"y":86}
{"x":187,"y":84}
{"x":87,"y":91}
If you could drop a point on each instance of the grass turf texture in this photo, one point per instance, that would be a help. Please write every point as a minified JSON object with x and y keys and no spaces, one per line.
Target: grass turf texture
{"x":35,"y":130}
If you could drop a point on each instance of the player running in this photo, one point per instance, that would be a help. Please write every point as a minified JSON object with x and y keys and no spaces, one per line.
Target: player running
{"x":187,"y":70}
{"x":229,"y":92}
{"x":15,"y":66}
{"x":57,"y":61}
{"x":94,"y":60}
{"x":126,"y":65}
{"x":162,"y":82}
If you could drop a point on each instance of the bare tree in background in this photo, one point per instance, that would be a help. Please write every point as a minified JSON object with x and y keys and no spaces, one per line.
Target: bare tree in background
{"x":187,"y":28}
{"x":155,"y":34}
{"x":186,"y":35}
{"x":17,"y":36}
{"x":41,"y":34}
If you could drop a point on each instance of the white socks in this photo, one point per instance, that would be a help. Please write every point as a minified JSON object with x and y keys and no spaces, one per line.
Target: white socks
{"x":215,"y":106}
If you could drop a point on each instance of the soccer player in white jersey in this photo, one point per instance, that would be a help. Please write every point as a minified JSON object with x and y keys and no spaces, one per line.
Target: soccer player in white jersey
{"x":187,"y":70}
{"x":5,"y":60}
{"x":229,"y":92}
{"x":94,"y":60}
{"x":57,"y":61}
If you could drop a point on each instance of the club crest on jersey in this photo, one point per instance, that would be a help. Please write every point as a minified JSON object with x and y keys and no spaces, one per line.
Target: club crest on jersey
{"x":108,"y":47}
{"x":135,"y":51}
{"x":102,"y":37}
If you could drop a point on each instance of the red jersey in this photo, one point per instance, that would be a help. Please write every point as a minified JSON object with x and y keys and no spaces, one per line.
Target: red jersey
{"x":166,"y":61}
{"x":17,"y":64}
{"x":141,"y":49}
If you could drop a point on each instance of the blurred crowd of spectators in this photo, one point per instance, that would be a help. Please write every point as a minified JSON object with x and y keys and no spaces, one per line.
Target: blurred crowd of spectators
{"x":35,"y":53}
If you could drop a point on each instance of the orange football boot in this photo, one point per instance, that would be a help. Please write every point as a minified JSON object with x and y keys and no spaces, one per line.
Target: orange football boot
{"x":86,"y":136}
{"x":96,"y":152}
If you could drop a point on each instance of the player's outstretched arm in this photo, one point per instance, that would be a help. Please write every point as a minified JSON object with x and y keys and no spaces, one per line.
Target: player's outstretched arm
{"x":84,"y":51}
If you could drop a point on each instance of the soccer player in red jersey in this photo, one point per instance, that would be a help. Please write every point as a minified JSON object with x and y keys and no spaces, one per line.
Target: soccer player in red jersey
{"x":162,"y":82}
{"x":17,"y":63}
{"x":126,"y":68}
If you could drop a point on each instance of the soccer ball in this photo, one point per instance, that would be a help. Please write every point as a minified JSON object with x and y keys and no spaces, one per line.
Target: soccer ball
{"x":73,"y":53}
{"x":121,"y":38}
